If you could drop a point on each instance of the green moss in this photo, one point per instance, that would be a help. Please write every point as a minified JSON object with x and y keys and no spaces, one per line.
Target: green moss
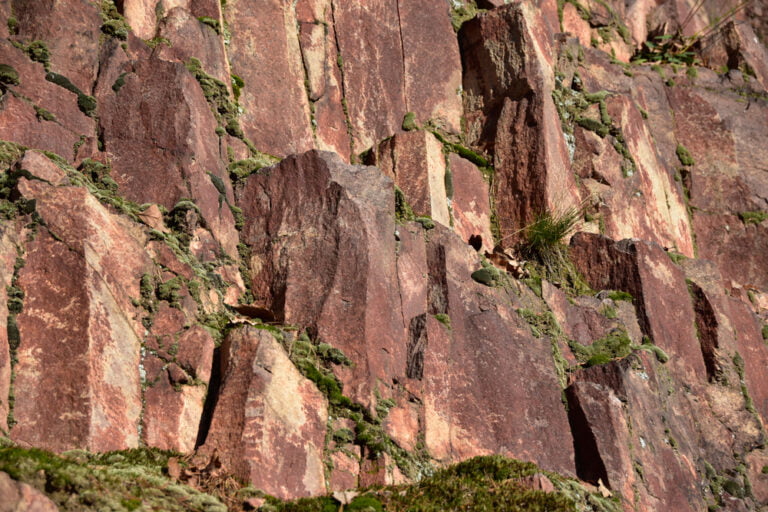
{"x":13,"y":25}
{"x":657,"y":351}
{"x":8,"y":75}
{"x":754,"y":217}
{"x":444,"y":319}
{"x":113,"y":23}
{"x":615,"y":345}
{"x":676,"y":257}
{"x":78,"y":480}
{"x":403,"y":211}
{"x":764,"y":332}
{"x":463,"y":11}
{"x":425,"y":222}
{"x":609,"y":312}
{"x":43,"y":115}
{"x":169,"y":291}
{"x":617,"y":295}
{"x":409,"y":122}
{"x":684,"y":155}
{"x":237,"y":86}
{"x":213,"y":23}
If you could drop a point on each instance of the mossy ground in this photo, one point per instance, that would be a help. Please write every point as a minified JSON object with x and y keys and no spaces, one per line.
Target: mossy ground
{"x":488,"y":483}
{"x":116,"y":481}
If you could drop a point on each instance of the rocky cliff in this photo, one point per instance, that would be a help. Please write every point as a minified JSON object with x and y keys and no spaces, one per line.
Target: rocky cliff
{"x":318,"y":245}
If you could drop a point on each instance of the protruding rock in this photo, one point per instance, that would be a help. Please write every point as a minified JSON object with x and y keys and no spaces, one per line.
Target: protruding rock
{"x":268,"y":415}
{"x":416,"y":163}
{"x":18,"y":496}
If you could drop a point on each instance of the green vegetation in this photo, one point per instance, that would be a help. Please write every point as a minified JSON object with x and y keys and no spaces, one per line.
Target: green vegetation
{"x":214,"y":24}
{"x":684,"y":155}
{"x":113,"y":23}
{"x":754,"y":217}
{"x":120,"y":481}
{"x":36,"y":51}
{"x":409,"y":122}
{"x":444,"y":319}
{"x":403,"y":210}
{"x":241,"y":169}
{"x":8,"y":76}
{"x":572,"y":105}
{"x":86,"y":103}
{"x":615,"y":345}
{"x":482,"y":483}
{"x":543,"y":238}
{"x":542,"y":244}
{"x":463,"y":11}
{"x":764,"y":332}
{"x":617,"y":295}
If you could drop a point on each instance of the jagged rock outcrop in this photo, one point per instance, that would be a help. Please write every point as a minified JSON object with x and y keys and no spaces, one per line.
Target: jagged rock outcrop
{"x":192,"y":258}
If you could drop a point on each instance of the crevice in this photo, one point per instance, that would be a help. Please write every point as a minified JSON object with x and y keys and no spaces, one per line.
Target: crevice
{"x":589,"y":465}
{"x":437,"y":299}
{"x":706,"y":330}
{"x":211,"y":398}
{"x":340,"y":65}
{"x":402,"y":54}
{"x":15,"y":307}
{"x":417,"y":342}
{"x":307,"y":84}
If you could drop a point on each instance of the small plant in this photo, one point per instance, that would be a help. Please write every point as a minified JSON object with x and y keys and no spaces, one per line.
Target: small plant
{"x":409,"y":122}
{"x":543,"y":238}
{"x":684,"y":155}
{"x":756,"y":217}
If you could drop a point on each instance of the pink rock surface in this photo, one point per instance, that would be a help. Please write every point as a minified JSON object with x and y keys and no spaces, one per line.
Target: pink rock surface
{"x":268,"y":415}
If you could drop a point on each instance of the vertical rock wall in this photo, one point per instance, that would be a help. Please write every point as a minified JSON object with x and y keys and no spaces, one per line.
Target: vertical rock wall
{"x":191,"y":258}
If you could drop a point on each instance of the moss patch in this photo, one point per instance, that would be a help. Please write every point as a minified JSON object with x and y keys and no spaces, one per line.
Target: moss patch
{"x":754,"y":217}
{"x":126,"y":480}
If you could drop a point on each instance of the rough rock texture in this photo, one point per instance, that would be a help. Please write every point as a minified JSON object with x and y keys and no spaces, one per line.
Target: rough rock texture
{"x":191,"y":260}
{"x":19,"y":496}
{"x":268,"y":415}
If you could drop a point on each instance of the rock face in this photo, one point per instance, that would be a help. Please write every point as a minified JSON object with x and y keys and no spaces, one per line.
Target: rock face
{"x":192,"y":258}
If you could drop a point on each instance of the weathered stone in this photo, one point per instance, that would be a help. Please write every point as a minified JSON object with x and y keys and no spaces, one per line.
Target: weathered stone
{"x":470,"y":204}
{"x":89,"y":379}
{"x":323,"y":257}
{"x":160,"y":135}
{"x":373,"y":74}
{"x":190,"y":38}
{"x":432,"y":79}
{"x":658,"y":286}
{"x":626,"y":445}
{"x":345,"y":471}
{"x":268,"y":415}
{"x":416,"y":163}
{"x":20,"y":497}
{"x":505,"y":381}
{"x":320,"y":56}
{"x":508,"y":82}
{"x":264,"y":51}
{"x":74,"y":45}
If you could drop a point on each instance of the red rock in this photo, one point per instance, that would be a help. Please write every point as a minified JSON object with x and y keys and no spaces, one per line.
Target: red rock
{"x":264,"y":51}
{"x":471,"y":203}
{"x":163,"y":144}
{"x":88,"y":380}
{"x":18,"y":496}
{"x":74,"y":45}
{"x":373,"y":74}
{"x":432,"y":79}
{"x":415,"y":161}
{"x":345,"y":471}
{"x":658,"y":286}
{"x":323,"y":257}
{"x":7,"y":261}
{"x":505,"y":382}
{"x":509,"y":103}
{"x":320,"y":56}
{"x":575,"y":25}
{"x":268,"y":415}
{"x":627,"y":459}
{"x":192,"y":38}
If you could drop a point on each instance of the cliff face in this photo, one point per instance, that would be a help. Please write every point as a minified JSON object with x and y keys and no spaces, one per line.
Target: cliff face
{"x":295,"y":238}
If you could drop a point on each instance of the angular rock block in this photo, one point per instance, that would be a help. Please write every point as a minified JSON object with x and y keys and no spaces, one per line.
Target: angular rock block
{"x":267,"y":415}
{"x":416,"y":163}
